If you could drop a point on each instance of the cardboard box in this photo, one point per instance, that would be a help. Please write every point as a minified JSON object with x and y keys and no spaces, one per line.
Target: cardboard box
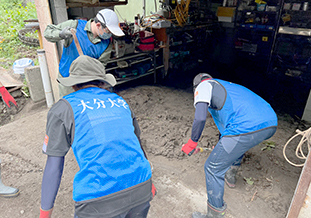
{"x":225,"y":14}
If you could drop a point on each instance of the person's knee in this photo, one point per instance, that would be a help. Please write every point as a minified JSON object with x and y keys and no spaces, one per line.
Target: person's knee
{"x":209,"y":168}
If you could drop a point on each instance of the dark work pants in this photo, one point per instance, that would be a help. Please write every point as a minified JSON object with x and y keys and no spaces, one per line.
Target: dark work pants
{"x":140,"y":211}
{"x":228,"y":151}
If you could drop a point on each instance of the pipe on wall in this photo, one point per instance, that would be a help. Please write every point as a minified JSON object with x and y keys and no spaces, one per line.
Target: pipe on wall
{"x":45,"y":78}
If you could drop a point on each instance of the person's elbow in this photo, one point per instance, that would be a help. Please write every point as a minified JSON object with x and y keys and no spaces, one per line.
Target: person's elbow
{"x":200,"y":120}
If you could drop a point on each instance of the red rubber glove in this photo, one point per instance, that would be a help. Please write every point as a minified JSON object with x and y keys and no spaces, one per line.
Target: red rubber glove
{"x":153,"y":190}
{"x":7,"y":97}
{"x":45,"y":213}
{"x":190,"y":147}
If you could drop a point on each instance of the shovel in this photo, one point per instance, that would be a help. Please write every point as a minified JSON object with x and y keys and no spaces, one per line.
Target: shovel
{"x":200,"y":149}
{"x":75,"y":39}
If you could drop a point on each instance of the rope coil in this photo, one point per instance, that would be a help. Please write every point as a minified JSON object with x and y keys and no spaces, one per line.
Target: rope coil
{"x":181,"y":12}
{"x":299,"y":152}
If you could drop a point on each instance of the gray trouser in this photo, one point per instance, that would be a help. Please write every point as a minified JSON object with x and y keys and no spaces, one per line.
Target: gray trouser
{"x":140,"y":211}
{"x":229,"y":151}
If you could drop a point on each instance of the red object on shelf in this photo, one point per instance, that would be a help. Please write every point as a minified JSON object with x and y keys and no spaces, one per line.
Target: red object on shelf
{"x":146,"y":41}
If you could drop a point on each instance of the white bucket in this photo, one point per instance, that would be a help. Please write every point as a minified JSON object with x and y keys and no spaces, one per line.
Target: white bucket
{"x":20,"y":64}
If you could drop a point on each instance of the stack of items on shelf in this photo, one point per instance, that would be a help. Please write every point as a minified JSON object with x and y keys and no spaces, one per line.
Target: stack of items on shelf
{"x":137,"y":70}
{"x":257,"y":14}
{"x":296,"y":14}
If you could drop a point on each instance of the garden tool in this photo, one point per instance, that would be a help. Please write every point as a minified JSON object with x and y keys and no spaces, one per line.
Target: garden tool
{"x":200,"y":149}
{"x":6,"y":191}
{"x":205,"y":149}
{"x":7,"y":98}
{"x":75,"y":39}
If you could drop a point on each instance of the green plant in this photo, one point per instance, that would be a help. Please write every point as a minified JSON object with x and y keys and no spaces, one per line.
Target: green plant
{"x":249,"y":180}
{"x":25,"y":89}
{"x":13,"y":14}
{"x":269,"y":145}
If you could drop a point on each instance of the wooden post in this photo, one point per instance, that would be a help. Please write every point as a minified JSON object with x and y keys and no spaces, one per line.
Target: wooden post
{"x":44,"y":17}
{"x":301,"y":190}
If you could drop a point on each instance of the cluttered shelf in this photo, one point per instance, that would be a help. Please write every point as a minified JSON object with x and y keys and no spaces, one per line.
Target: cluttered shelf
{"x":130,"y":78}
{"x":134,"y":55}
{"x":98,"y":3}
{"x":295,"y":31}
{"x":190,"y":26}
{"x":295,"y":15}
{"x":255,"y":27}
{"x":135,"y":65}
{"x":245,"y":11}
{"x":291,"y":56}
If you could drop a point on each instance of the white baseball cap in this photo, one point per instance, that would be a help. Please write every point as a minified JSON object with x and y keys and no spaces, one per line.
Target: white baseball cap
{"x":110,"y":19}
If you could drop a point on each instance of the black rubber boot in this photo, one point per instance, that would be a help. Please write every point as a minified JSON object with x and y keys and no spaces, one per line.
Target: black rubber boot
{"x":230,"y":176}
{"x":212,"y":212}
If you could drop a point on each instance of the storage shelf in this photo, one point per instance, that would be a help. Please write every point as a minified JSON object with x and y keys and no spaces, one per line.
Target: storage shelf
{"x":131,"y":60}
{"x":297,"y":11}
{"x":259,"y":12}
{"x":135,"y":62}
{"x":99,"y":4}
{"x":149,"y":72}
{"x":127,"y":57}
{"x":295,"y":31}
{"x":255,"y":28}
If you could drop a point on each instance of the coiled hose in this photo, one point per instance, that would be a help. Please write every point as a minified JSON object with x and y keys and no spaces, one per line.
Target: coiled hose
{"x":181,"y":12}
{"x":299,"y":152}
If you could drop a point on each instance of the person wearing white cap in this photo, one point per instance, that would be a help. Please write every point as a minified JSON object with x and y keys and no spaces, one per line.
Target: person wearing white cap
{"x":114,"y":177}
{"x":93,"y":36}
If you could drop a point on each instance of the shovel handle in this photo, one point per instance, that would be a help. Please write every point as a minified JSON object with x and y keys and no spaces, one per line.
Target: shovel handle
{"x":75,"y":39}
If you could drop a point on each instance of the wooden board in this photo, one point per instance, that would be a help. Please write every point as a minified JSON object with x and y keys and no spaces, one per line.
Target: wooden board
{"x":8,"y":80}
{"x":301,"y":190}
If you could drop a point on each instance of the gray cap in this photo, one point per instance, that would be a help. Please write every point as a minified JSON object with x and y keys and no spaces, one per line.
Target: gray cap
{"x":199,"y":78}
{"x":85,"y":69}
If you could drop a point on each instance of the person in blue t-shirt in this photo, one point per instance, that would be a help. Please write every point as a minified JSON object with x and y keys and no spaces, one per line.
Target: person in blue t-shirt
{"x":114,"y":177}
{"x":243,"y":119}
{"x":93,"y":36}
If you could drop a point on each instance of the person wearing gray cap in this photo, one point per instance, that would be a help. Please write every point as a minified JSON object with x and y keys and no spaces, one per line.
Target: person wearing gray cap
{"x":114,"y":177}
{"x":93,"y":36}
{"x":243,"y":119}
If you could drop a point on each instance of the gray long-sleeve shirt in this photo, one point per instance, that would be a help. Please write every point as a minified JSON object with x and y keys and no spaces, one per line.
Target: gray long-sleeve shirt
{"x":199,"y":120}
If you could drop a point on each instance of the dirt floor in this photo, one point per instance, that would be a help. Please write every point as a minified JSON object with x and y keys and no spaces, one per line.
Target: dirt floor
{"x":265,"y":184}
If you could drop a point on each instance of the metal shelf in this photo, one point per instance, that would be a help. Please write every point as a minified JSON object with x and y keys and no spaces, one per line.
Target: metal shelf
{"x":135,"y":62}
{"x":295,"y":31}
{"x":127,"y":57}
{"x":131,"y":61}
{"x":149,"y":72}
{"x":98,"y":4}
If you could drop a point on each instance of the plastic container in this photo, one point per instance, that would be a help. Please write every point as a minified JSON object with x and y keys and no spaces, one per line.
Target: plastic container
{"x":296,"y":6}
{"x":261,"y":7}
{"x":269,"y":27}
{"x":20,"y":64}
{"x":146,"y":41}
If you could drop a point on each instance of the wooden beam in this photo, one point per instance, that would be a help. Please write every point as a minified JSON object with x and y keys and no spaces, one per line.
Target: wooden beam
{"x":44,"y":17}
{"x":99,"y":4}
{"x":301,"y":190}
